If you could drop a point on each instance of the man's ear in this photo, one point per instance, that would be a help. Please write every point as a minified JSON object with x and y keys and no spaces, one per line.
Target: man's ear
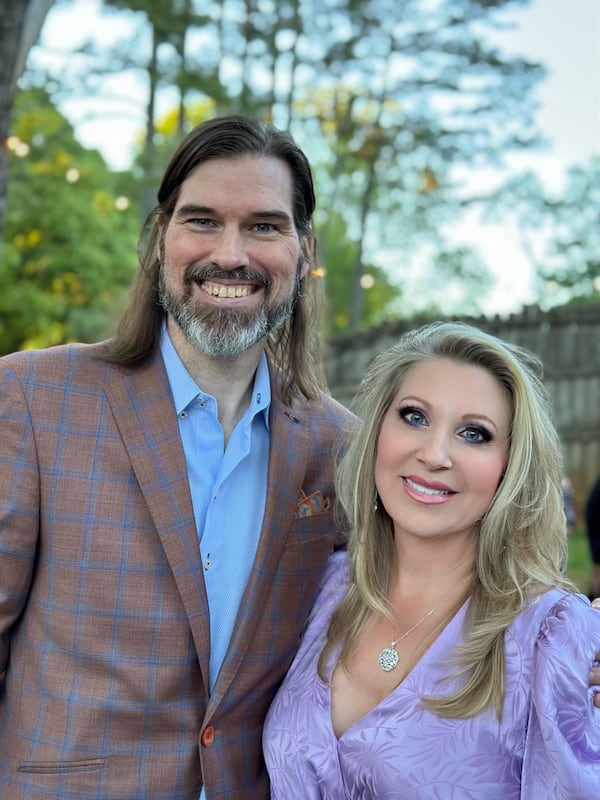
{"x":308,"y":251}
{"x":160,"y":225}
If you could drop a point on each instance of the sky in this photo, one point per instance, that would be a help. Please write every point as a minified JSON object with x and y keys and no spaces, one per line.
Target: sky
{"x":565,"y":36}
{"x":562,"y":34}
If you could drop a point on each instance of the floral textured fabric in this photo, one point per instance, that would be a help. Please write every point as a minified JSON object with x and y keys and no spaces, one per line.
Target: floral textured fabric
{"x":547,"y":746}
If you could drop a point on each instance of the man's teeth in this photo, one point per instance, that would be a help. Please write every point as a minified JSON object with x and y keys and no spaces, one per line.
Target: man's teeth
{"x":424,"y":489}
{"x":227,"y":291}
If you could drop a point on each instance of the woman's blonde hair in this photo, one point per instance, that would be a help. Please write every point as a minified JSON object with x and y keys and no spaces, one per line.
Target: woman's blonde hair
{"x":522,"y":546}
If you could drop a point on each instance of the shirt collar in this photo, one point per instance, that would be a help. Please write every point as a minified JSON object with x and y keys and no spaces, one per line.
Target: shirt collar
{"x":185,"y":390}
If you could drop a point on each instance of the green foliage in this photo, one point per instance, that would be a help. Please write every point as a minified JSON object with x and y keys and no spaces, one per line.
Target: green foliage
{"x":579,"y":568}
{"x":387,"y":98}
{"x":560,"y":230}
{"x":450,"y":279}
{"x":338,"y":256}
{"x":68,"y":252}
{"x":574,"y":245}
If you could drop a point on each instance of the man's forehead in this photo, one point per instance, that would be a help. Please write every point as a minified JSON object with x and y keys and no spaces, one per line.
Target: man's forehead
{"x":269,"y":167}
{"x":256,"y":182}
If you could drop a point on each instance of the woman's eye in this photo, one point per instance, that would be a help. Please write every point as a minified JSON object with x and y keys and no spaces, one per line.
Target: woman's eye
{"x":476,"y":435}
{"x":413,"y":416}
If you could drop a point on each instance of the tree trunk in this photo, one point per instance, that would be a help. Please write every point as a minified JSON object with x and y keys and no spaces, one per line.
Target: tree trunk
{"x":148,"y":159}
{"x":20,"y":25}
{"x":358,"y":292}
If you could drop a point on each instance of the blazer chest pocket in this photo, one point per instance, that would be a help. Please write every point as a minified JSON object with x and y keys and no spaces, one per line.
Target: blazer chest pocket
{"x":311,"y":505}
{"x":61,"y":767}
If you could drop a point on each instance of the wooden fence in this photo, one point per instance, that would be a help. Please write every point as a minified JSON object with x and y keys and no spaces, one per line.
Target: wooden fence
{"x":566,"y":339}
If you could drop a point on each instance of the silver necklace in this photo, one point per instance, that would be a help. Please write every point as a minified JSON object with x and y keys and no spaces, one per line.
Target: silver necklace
{"x":389,"y":657}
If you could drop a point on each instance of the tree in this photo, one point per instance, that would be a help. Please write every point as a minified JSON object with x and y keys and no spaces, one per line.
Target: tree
{"x":20,"y":25}
{"x":573,"y":262}
{"x":388,"y":97}
{"x":408,"y":96}
{"x":164,"y":62}
{"x":559,"y":230}
{"x":338,"y":255}
{"x":70,"y":235}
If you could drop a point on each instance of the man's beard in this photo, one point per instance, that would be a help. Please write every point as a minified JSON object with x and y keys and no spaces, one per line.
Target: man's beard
{"x":225,"y":332}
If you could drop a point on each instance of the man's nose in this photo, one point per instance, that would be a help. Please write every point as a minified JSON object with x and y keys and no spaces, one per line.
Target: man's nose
{"x":229,"y":251}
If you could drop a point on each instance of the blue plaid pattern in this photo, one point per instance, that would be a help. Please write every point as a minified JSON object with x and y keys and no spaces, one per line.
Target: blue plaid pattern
{"x":104,"y":628}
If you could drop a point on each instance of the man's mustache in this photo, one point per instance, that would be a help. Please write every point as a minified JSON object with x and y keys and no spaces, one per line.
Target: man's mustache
{"x":206,"y":272}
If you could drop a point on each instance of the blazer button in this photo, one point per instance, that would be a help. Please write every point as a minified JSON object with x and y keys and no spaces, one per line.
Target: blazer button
{"x":207,"y":736}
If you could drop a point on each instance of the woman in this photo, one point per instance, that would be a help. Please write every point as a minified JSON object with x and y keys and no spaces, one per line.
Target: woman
{"x":447,"y":655}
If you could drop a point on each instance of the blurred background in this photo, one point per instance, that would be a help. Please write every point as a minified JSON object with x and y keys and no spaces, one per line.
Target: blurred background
{"x":455,"y":144}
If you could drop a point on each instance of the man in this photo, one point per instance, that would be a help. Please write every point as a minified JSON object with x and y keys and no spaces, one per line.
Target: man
{"x":592,"y":526}
{"x":165,"y":498}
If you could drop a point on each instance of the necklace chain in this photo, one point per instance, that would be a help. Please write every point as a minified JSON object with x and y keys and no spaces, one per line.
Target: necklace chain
{"x":417,"y":624}
{"x":389,"y":657}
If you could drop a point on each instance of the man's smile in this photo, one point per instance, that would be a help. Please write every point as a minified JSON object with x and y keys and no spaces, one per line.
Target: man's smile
{"x":221,"y":290}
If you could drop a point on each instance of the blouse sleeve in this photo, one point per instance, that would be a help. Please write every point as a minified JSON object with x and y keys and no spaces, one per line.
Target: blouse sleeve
{"x":562,"y":749}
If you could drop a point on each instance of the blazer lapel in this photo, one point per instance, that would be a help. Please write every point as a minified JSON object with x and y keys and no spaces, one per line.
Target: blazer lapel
{"x":281,"y":499}
{"x":143,"y":409}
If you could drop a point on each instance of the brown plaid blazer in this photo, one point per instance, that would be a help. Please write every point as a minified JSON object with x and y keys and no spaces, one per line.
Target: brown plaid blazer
{"x":104,"y":632}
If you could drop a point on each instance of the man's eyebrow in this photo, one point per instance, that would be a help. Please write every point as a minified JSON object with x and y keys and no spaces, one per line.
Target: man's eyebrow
{"x":193,"y":208}
{"x":272,"y":214}
{"x":275,"y":214}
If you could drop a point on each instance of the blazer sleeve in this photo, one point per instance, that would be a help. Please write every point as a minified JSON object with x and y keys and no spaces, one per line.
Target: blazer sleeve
{"x":562,"y":751}
{"x":19,"y":505}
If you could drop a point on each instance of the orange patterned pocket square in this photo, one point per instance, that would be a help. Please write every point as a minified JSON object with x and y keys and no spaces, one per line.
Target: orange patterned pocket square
{"x":312,"y":504}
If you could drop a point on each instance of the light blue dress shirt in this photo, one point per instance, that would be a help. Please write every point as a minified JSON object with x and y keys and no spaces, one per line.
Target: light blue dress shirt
{"x":228,"y":488}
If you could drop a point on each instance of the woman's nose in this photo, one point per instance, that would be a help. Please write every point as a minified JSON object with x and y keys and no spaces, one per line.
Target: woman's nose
{"x":435,"y":451}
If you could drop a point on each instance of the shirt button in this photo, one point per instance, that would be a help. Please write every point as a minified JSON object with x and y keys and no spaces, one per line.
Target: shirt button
{"x":182,"y":414}
{"x":201,"y":402}
{"x":207,"y":563}
{"x":207,"y":736}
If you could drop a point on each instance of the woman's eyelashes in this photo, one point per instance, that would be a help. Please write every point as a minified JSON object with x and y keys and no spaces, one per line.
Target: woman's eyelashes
{"x":476,"y":434}
{"x":473,"y":433}
{"x":413,"y":416}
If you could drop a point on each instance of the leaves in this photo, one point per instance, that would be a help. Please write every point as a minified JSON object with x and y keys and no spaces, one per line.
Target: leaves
{"x":559,"y":230}
{"x":69,"y":253}
{"x":389,"y":98}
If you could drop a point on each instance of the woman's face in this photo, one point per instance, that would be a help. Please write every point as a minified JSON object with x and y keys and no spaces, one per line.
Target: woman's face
{"x":442,"y":449}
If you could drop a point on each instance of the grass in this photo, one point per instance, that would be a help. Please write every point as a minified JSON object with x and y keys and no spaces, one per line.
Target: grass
{"x":579,"y":566}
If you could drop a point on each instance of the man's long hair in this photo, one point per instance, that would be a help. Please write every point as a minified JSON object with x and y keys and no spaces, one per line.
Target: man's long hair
{"x":293,"y":349}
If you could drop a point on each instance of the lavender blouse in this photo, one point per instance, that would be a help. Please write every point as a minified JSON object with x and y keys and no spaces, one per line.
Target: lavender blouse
{"x":547,"y":746}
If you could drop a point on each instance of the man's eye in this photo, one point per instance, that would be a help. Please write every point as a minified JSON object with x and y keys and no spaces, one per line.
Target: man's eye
{"x":264,"y":227}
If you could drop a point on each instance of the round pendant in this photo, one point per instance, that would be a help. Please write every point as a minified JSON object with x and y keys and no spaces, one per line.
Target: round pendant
{"x":388,"y":659}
